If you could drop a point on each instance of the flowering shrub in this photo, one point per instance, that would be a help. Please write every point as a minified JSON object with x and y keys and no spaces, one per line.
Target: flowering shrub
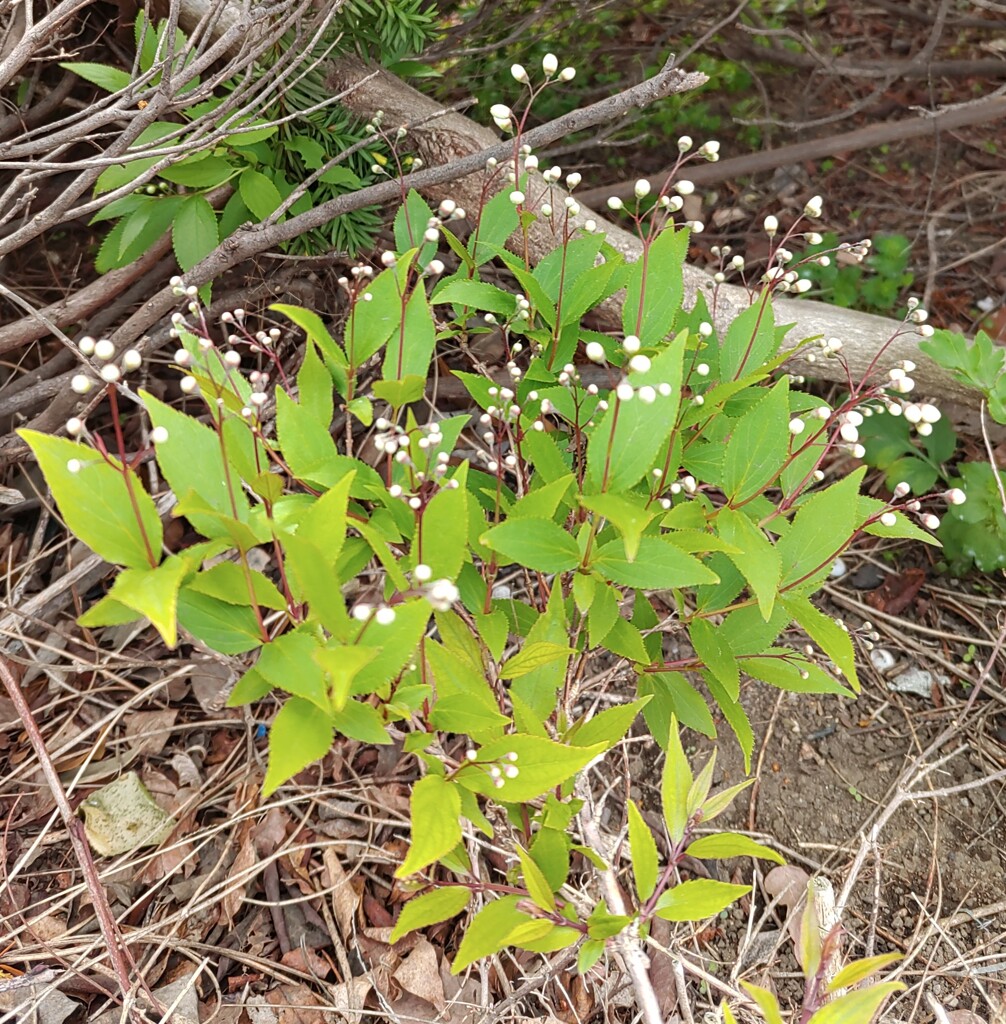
{"x":448,"y":581}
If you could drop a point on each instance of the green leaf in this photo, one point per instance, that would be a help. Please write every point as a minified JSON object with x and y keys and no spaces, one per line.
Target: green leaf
{"x":758,"y":445}
{"x":624,"y":445}
{"x":323,"y":524}
{"x":226,"y":628}
{"x":861,"y":1005}
{"x":716,"y":654}
{"x":202,"y":171}
{"x":676,"y":782}
{"x":659,"y":565}
{"x":535,"y":543}
{"x":757,"y":559}
{"x":288,"y":663}
{"x":298,"y":737}
{"x":459,"y":713}
{"x":227,"y":581}
{"x":436,"y":805}
{"x":728,"y":844}
{"x":782,"y":668}
{"x":370,"y":323}
{"x":822,"y":526}
{"x":767,"y":1002}
{"x":715,"y":805}
{"x":533,"y":656}
{"x":590,"y":952}
{"x":537,"y":886}
{"x":696,"y":900}
{"x":542,"y":764}
{"x":608,"y":726}
{"x":486,"y":298}
{"x":441,"y":904}
{"x":105,"y":77}
{"x":489,"y":930}
{"x":827,"y":634}
{"x":750,"y":340}
{"x":630,"y":518}
{"x":860,"y":970}
{"x":314,"y":327}
{"x":154,"y":594}
{"x":498,"y":221}
{"x":410,"y":348}
{"x":655,"y":287}
{"x":397,"y":643}
{"x":444,"y":544}
{"x":194,"y":233}
{"x":307,"y":446}
{"x":260,"y":195}
{"x":361,"y":721}
{"x":398,"y":393}
{"x":314,"y":386}
{"x":96,"y":503}
{"x":642,"y":853}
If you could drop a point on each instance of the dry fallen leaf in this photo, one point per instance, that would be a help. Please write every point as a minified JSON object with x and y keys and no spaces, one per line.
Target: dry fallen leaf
{"x":123,"y":816}
{"x":419,"y":975}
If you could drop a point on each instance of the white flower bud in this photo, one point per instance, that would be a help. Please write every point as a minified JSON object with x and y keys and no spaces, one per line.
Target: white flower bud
{"x":647,"y":395}
{"x":188,"y":384}
{"x":930,"y":522}
{"x":849,"y":433}
{"x":814,"y":207}
{"x":902,"y":489}
{"x":595,"y":352}
{"x":888,"y":519}
{"x":702,"y":369}
{"x":517,"y":197}
{"x":639,"y":364}
{"x":641,"y":188}
{"x":131,"y":360}
{"x":549,"y":64}
{"x":929,"y":413}
{"x":75,"y":427}
{"x":384,"y":616}
{"x":110,"y":373}
{"x":684,"y":143}
{"x":567,"y":74}
{"x":684,"y":187}
{"x":924,"y":429}
{"x":159,"y":435}
{"x":519,"y":74}
{"x":104,"y":349}
{"x":858,"y":451}
{"x":624,"y":392}
{"x":361,"y":612}
{"x":574,"y":179}
{"x":614,"y":203}
{"x":955,"y":496}
{"x":434,"y":268}
{"x":74,"y":466}
{"x":500,"y":112}
{"x":771,"y":225}
{"x":86,"y":345}
{"x":631,"y":344}
{"x":80,"y":384}
{"x":797,"y":426}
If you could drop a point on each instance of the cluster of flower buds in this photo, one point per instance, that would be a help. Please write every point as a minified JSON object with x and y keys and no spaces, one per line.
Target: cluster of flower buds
{"x":110,"y":371}
{"x":499,"y":770}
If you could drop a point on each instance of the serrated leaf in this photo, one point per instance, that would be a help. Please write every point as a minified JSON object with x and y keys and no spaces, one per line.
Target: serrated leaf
{"x":435,"y":805}
{"x":410,"y":348}
{"x":441,"y":904}
{"x":820,"y":528}
{"x":767,"y":1002}
{"x":537,"y":886}
{"x":489,"y":931}
{"x":698,"y":899}
{"x":227,"y":628}
{"x":444,"y":546}
{"x":659,"y":565}
{"x":533,"y":656}
{"x":194,"y":232}
{"x":108,"y":78}
{"x":154,"y":594}
{"x":715,"y":805}
{"x":854,"y":1007}
{"x":260,"y":195}
{"x":642,"y":854}
{"x":629,"y":517}
{"x":608,"y":726}
{"x":655,"y":287}
{"x":675,"y":783}
{"x":758,"y":445}
{"x":716,"y":654}
{"x":860,"y":970}
{"x":117,"y":522}
{"x":542,"y":764}
{"x":535,"y":543}
{"x":827,"y":634}
{"x":757,"y":558}
{"x":299,"y":736}
{"x":729,"y":844}
{"x":750,"y":340}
